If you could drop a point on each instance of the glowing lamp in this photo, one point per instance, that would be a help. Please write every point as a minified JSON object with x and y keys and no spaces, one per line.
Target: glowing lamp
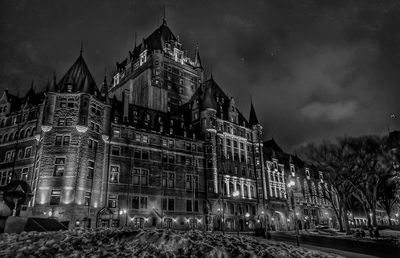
{"x":247,"y":215}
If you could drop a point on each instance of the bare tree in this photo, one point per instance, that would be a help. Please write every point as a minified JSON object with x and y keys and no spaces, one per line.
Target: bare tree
{"x":334,"y":160}
{"x":373,"y":165}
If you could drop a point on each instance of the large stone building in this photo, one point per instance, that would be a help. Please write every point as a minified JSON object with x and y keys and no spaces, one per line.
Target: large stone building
{"x":158,"y":146}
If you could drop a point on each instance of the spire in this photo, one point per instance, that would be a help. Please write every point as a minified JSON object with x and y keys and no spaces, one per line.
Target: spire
{"x":53,"y":86}
{"x":80,"y":52}
{"x":104,"y":89}
{"x":197,"y":60}
{"x":253,"y":117}
{"x":208,"y":100}
{"x":164,"y":18}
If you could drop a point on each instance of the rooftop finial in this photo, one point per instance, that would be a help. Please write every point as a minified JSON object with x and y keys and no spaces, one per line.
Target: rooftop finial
{"x":80,"y":52}
{"x":164,"y":16}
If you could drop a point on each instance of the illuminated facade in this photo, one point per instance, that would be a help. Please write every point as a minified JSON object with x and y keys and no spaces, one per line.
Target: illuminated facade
{"x":158,"y":146}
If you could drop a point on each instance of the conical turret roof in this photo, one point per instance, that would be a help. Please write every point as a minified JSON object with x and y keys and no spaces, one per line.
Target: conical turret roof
{"x":78,"y":79}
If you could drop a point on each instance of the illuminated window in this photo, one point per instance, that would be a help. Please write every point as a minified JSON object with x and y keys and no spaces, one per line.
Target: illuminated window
{"x":114,"y":175}
{"x":90,"y":169}
{"x":112,"y":200}
{"x":88,"y":197}
{"x":55,"y":197}
{"x":59,"y":167}
{"x":25,"y":174}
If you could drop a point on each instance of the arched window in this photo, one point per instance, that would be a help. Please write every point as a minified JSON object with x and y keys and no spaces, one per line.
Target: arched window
{"x":28,"y":132}
{"x":2,"y":123}
{"x":33,"y":131}
{"x":10,"y":138}
{"x":21,"y":134}
{"x":5,"y":138}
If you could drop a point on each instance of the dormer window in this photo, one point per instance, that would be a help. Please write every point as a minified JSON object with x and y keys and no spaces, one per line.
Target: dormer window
{"x":321,"y":176}
{"x":292,"y":170}
{"x":143,"y":57}
{"x":69,"y":88}
{"x":307,"y":173}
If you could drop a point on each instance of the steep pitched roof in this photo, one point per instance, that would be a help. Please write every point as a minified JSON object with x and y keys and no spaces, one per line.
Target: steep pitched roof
{"x":155,"y":41}
{"x":197,"y":60}
{"x":79,"y":78}
{"x":253,"y":117}
{"x":216,"y":99}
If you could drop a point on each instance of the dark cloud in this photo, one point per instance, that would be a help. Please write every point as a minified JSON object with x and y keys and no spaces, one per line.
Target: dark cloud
{"x":316,"y":69}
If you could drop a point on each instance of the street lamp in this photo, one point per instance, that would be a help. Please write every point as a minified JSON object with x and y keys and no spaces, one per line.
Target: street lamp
{"x":235,"y":194}
{"x":290,"y":185}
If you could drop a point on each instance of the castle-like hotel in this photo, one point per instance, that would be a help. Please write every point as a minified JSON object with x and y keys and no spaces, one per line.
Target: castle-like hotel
{"x":157,"y":146}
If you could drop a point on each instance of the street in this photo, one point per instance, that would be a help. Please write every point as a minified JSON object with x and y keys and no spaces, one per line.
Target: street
{"x":340,"y":246}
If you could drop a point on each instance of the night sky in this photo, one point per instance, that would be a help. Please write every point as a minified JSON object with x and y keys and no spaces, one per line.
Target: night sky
{"x":315,"y":69}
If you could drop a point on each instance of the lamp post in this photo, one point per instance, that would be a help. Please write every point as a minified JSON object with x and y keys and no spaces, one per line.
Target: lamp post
{"x":236,"y":194}
{"x":290,"y":185}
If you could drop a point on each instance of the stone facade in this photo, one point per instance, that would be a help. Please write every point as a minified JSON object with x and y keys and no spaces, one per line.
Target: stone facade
{"x":160,"y":146}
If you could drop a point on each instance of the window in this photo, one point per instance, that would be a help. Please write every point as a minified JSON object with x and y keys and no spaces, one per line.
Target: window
{"x":136,"y":176}
{"x":140,"y":176}
{"x":68,"y":121}
{"x":28,"y":152}
{"x":25,"y":174}
{"x":189,"y":205}
{"x":171,"y":143}
{"x":114,"y":176}
{"x":135,"y":202}
{"x":145,"y":155}
{"x":10,"y":155}
{"x":64,"y":140}
{"x":116,"y":133}
{"x":95,"y":109}
{"x":58,"y":140}
{"x":138,"y":137}
{"x":169,"y":179}
{"x":59,"y":167}
{"x":88,"y":197}
{"x":5,"y":177}
{"x":143,"y":202}
{"x":145,"y":139}
{"x":92,"y":144}
{"x":115,"y":150}
{"x":90,"y":169}
{"x":144,"y":180}
{"x":112,"y":200}
{"x":55,"y":197}
{"x":168,"y":204}
{"x":61,"y":122}
{"x":190,"y":180}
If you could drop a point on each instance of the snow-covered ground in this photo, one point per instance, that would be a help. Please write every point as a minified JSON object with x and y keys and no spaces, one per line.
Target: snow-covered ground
{"x":127,"y":242}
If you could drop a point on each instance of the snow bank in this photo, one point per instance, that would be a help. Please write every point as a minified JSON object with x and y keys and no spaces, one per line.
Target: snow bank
{"x":127,"y":242}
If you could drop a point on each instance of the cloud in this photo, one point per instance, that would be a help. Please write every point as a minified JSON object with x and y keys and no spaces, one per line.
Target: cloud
{"x":329,"y":111}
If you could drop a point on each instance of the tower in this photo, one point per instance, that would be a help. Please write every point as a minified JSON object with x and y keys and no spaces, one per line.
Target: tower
{"x":158,"y":73}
